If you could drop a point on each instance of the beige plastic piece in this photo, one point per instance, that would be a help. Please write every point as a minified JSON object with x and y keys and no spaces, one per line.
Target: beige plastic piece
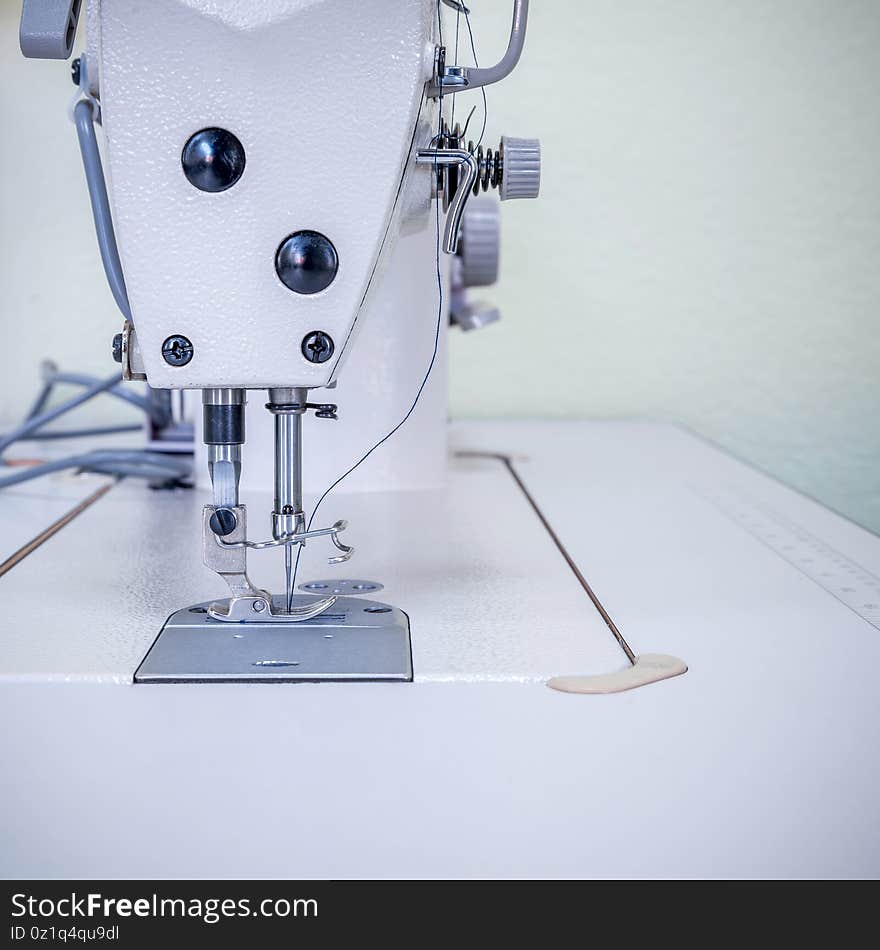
{"x":649,"y":668}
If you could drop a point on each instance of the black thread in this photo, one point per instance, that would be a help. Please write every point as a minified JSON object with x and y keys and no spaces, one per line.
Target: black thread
{"x":428,"y":372}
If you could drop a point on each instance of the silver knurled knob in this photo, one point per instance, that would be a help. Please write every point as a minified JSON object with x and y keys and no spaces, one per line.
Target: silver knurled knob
{"x":479,"y":244}
{"x":521,"y":170}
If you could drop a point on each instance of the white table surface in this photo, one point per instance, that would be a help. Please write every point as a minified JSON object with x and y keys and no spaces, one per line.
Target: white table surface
{"x":761,"y":760}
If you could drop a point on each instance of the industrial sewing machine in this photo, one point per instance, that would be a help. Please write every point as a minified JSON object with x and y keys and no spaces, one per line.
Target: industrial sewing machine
{"x":262,"y":236}
{"x":265,"y":160}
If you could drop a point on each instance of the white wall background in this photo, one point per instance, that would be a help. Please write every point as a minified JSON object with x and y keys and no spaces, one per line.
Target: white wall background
{"x":706,"y":248}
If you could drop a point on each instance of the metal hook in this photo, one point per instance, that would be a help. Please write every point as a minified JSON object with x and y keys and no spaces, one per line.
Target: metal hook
{"x":458,"y":78}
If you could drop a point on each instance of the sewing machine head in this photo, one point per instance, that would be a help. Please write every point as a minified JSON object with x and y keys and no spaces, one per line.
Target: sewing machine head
{"x":263,"y":159}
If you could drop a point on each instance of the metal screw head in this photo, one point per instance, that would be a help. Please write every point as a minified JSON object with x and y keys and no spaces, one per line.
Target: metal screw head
{"x":223,"y":522}
{"x":213,"y":160}
{"x":317,"y":347}
{"x":117,"y":348}
{"x":259,"y":606}
{"x":177,"y":350}
{"x":75,"y":68}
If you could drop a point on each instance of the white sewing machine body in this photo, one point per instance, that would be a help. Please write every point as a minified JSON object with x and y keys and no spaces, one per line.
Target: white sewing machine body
{"x":289,"y":79}
{"x":323,"y":98}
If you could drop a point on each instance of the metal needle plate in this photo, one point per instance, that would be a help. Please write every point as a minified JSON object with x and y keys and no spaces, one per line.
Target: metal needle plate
{"x":341,"y":586}
{"x":355,"y":639}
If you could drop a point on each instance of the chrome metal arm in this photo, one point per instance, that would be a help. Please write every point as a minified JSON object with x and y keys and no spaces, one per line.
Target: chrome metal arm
{"x":298,"y":538}
{"x":453,"y":156}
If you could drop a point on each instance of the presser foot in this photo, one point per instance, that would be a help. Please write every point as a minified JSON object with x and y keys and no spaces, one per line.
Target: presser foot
{"x":260,"y":607}
{"x":357,"y":640}
{"x":227,"y":556}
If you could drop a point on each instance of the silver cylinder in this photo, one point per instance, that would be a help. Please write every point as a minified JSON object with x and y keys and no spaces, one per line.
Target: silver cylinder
{"x":224,"y":467}
{"x":223,"y":411}
{"x":224,"y":397}
{"x":288,"y":406}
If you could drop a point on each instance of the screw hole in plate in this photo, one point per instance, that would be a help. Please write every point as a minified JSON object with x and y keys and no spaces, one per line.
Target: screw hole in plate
{"x":377,"y":610}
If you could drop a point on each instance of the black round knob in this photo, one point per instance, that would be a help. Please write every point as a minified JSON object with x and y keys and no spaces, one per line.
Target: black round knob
{"x":306,"y":262}
{"x":213,"y":160}
{"x":223,"y":521}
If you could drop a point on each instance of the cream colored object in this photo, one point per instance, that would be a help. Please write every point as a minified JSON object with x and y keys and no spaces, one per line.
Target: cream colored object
{"x":649,"y":668}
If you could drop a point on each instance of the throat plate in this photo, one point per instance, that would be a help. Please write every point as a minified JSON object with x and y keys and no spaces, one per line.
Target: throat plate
{"x":355,"y":639}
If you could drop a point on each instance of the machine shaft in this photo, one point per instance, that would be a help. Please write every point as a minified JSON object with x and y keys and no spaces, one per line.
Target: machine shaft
{"x":288,"y":406}
{"x":224,"y":433}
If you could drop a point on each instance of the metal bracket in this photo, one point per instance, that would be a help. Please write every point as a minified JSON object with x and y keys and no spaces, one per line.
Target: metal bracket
{"x":450,"y":79}
{"x":132,"y":361}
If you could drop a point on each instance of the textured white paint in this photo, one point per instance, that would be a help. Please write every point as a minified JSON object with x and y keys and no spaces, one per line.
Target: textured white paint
{"x":705,"y":245}
{"x":487,"y":593}
{"x":757,"y":762}
{"x":288,"y":79}
{"x":36,"y":504}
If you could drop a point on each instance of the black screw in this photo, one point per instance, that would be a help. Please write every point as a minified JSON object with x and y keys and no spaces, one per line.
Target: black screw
{"x":177,"y":350}
{"x":317,"y":347}
{"x":117,"y":348}
{"x":75,"y":71}
{"x":223,"y":521}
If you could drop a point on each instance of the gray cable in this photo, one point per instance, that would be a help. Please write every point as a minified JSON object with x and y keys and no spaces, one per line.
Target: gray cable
{"x":109,"y":462}
{"x":40,"y":402}
{"x":91,"y":156}
{"x":120,"y":392}
{"x":35,"y":422}
{"x":84,"y":433}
